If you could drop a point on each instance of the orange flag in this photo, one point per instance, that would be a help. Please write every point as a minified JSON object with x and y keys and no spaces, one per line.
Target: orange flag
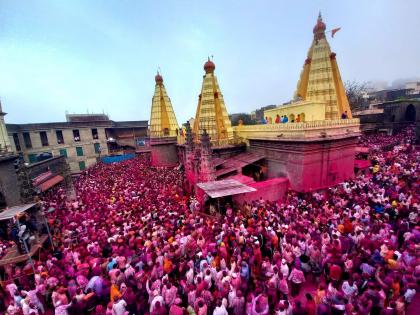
{"x":335,"y":30}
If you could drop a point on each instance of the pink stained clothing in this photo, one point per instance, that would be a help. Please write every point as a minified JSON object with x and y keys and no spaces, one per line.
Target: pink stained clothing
{"x":176,"y":310}
{"x":59,"y":299}
{"x":169,"y":295}
{"x":297,"y":276}
{"x":238,"y":305}
{"x":62,"y":309}
{"x":12,"y":288}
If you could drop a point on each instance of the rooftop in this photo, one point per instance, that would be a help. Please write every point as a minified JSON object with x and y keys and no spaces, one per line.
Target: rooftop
{"x":77,"y":124}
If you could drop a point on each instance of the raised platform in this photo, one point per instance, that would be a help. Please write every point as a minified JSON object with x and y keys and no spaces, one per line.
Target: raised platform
{"x":13,"y":256}
{"x":309,"y":165}
{"x":302,"y":131}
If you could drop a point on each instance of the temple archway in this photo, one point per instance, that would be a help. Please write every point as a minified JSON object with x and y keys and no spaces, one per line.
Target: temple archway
{"x":291,"y":118}
{"x":302,"y":117}
{"x":3,"y":203}
{"x":410,"y":113}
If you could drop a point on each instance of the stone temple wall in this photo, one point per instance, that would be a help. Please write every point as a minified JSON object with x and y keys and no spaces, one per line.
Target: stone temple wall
{"x":309,"y":165}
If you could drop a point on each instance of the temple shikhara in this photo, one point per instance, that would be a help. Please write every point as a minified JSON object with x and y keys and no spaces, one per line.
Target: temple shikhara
{"x":163,"y":122}
{"x":320,"y":93}
{"x":211,"y":114}
{"x":163,"y":128}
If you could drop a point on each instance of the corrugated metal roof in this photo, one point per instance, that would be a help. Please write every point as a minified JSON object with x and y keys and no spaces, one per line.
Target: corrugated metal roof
{"x":227,"y":187}
{"x":9,"y":213}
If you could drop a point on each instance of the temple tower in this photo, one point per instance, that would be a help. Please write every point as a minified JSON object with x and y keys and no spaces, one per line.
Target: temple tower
{"x":162,"y":117}
{"x":4,"y":138}
{"x":163,"y":127}
{"x":320,"y":79}
{"x":211,"y":114}
{"x":206,"y":171}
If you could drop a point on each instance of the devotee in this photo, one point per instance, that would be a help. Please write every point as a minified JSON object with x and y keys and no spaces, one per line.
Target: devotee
{"x":131,"y":244}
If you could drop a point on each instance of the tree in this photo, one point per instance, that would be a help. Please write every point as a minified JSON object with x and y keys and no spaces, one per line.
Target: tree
{"x":246,"y":119}
{"x":355,"y":91}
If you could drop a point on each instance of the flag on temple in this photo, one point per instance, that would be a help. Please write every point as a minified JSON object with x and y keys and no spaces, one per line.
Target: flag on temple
{"x":335,"y":30}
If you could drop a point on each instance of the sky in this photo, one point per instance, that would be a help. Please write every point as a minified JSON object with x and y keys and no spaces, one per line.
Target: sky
{"x":100,"y":56}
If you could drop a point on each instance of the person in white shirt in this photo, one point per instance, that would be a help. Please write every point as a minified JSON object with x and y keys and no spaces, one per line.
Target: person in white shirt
{"x":410,"y":293}
{"x":118,"y":308}
{"x":221,"y":308}
{"x":349,"y":288}
{"x":156,"y":298}
{"x":284,"y":268}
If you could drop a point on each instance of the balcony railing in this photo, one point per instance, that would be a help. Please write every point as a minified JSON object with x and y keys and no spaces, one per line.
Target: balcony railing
{"x":301,"y":125}
{"x":301,"y":130}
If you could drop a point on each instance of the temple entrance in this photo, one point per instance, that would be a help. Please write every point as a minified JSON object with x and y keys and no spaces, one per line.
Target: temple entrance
{"x":3,"y":203}
{"x":410,"y":113}
{"x":291,"y":118}
{"x":255,"y":170}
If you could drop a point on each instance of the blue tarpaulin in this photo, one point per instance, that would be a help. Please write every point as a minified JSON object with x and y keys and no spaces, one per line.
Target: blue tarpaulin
{"x":117,"y":158}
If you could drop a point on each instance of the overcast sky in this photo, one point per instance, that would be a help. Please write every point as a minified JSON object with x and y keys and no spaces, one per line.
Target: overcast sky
{"x":102,"y":55}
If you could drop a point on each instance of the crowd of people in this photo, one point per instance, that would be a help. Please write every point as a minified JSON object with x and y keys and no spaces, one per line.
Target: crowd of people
{"x":131,"y":243}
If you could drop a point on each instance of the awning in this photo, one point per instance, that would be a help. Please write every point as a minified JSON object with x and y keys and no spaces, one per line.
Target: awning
{"x":9,"y":213}
{"x":227,"y":187}
{"x":42,"y":178}
{"x":51,"y":182}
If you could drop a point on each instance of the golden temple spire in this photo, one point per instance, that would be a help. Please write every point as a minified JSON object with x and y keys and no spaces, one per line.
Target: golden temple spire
{"x":211,"y":114}
{"x":320,"y":78}
{"x":163,"y":121}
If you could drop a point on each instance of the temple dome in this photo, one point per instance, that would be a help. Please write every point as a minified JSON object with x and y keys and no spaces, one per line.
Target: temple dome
{"x":158,"y":78}
{"x":319,"y":28}
{"x":209,"y":66}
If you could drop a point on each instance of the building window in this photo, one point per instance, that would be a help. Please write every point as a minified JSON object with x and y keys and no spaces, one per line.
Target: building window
{"x":32,"y":158}
{"x":95,"y":133}
{"x":76,"y":135}
{"x":27,"y":140}
{"x":97,"y":147}
{"x":82,"y":165}
{"x":63,"y":152}
{"x":79,"y":151}
{"x":16,"y":140}
{"x":60,"y":138}
{"x":44,"y":138}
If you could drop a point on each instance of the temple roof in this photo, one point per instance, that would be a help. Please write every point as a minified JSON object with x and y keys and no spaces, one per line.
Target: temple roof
{"x":320,"y":78}
{"x":163,"y":121}
{"x":211,"y":114}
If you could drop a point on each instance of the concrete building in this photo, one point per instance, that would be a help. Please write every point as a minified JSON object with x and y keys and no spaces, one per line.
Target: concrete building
{"x":82,"y":139}
{"x":9,"y":186}
{"x":391,"y":116}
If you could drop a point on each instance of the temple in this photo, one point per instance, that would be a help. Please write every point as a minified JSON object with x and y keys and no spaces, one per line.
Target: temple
{"x":163,"y":127}
{"x":320,"y":93}
{"x":314,"y":149}
{"x":211,"y":112}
